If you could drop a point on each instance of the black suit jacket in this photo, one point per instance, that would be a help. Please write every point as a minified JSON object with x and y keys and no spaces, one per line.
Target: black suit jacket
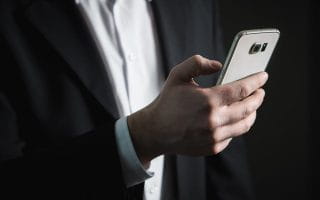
{"x":57,"y":110}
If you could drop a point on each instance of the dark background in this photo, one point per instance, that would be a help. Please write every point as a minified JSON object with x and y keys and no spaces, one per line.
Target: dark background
{"x":283,"y":144}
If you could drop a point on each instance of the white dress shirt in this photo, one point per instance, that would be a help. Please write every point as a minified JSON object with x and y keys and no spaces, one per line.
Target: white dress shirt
{"x":124,"y":32}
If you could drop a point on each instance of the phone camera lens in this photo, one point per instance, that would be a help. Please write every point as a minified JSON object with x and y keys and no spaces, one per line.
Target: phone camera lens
{"x":255,"y":48}
{"x":264,"y":46}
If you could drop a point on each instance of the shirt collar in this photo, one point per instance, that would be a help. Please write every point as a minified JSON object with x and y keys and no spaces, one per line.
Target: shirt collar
{"x":112,"y":2}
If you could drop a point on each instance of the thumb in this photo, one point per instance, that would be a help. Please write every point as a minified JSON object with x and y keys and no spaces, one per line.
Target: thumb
{"x":195,"y":66}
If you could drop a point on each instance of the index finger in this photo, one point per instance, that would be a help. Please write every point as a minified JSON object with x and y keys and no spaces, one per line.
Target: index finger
{"x":239,"y":90}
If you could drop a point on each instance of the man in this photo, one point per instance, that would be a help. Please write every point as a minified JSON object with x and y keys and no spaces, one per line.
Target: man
{"x":87,"y":113}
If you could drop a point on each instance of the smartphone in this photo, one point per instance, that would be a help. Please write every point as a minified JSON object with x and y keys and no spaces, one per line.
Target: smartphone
{"x":250,"y":53}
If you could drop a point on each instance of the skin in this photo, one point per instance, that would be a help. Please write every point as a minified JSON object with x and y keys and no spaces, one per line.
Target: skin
{"x":190,"y":120}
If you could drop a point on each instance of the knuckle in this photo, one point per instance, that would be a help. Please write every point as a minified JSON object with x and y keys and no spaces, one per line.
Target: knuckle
{"x":255,"y":103}
{"x":216,"y":149}
{"x":226,"y":92}
{"x":262,"y":96}
{"x":197,"y":59}
{"x":198,"y":62}
{"x":214,"y":97}
{"x":173,"y":73}
{"x":261,"y":80}
{"x":216,"y":136}
{"x":246,"y":126}
{"x":263,"y":92}
{"x":214,"y":121}
{"x":254,"y":116}
{"x":246,"y":111}
{"x":243,"y":91}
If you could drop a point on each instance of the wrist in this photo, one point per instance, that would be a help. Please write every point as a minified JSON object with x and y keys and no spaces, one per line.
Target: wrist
{"x":138,"y":124}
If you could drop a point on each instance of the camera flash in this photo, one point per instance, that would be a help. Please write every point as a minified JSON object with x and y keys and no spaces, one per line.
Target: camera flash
{"x":264,"y":46}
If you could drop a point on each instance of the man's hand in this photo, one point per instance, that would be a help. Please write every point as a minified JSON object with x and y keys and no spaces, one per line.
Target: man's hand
{"x":190,"y":120}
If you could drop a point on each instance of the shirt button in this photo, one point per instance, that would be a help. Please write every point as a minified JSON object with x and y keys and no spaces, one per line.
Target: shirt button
{"x":152,"y":189}
{"x":132,"y":57}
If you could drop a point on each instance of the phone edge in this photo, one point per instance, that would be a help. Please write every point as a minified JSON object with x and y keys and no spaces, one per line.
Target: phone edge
{"x":234,"y":44}
{"x":228,"y":59}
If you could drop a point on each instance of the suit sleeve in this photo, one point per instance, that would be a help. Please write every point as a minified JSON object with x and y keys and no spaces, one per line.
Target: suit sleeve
{"x":228,"y":174}
{"x":80,"y":167}
{"x":84,"y":167}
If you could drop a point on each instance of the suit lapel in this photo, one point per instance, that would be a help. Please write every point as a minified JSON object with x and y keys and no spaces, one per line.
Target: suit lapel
{"x":186,"y":28}
{"x":183,"y":33}
{"x":61,"y":24}
{"x":172,"y":34}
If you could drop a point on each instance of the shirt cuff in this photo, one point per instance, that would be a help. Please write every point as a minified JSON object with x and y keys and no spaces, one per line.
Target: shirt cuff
{"x":132,"y":169}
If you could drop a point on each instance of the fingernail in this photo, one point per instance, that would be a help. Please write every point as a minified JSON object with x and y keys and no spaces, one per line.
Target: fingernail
{"x":216,"y":64}
{"x":219,"y":64}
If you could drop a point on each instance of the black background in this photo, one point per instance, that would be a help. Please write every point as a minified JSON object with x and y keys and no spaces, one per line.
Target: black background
{"x":283,"y":145}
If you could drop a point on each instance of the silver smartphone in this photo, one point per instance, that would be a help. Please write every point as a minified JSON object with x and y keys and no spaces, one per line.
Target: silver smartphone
{"x":250,"y":53}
